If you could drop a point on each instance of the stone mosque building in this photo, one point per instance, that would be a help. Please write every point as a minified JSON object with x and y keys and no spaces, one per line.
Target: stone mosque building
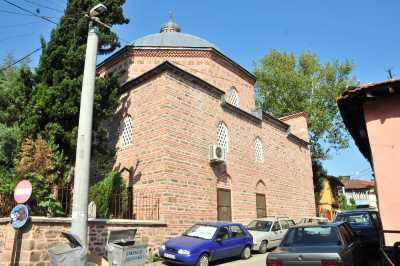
{"x":188,"y":132}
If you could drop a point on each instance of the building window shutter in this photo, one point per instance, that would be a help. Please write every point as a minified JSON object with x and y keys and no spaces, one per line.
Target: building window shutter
{"x":261,"y":206}
{"x":224,"y":205}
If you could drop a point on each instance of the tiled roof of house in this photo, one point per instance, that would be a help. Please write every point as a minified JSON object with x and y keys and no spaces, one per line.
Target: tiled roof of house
{"x":351,"y":108}
{"x":357,"y":183}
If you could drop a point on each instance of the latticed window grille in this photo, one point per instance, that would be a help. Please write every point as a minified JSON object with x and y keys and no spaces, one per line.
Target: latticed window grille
{"x":233,"y":97}
{"x":223,"y":138}
{"x":258,"y":150}
{"x":126,"y":131}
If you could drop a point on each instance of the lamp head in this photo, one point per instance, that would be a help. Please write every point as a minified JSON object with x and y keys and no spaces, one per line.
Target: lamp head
{"x":97,"y":10}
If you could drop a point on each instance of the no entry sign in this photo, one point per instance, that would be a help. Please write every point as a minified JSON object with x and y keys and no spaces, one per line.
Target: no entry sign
{"x":23,"y":191}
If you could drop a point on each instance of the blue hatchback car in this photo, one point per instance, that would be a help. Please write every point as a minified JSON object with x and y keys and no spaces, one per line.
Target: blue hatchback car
{"x":205,"y":242}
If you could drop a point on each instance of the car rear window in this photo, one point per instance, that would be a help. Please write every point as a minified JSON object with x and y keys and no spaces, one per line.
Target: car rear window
{"x":359,"y":219}
{"x":311,"y":236}
{"x":257,"y":225}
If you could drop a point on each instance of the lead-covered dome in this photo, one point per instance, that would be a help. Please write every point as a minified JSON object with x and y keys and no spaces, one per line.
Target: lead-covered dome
{"x":171,"y":36}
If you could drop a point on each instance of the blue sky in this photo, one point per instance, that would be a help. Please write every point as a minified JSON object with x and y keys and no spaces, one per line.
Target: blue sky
{"x":365,"y":32}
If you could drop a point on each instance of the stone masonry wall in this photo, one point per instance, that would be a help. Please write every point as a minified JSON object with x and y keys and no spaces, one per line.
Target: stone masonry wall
{"x":31,"y":248}
{"x":285,"y":175}
{"x":204,"y":64}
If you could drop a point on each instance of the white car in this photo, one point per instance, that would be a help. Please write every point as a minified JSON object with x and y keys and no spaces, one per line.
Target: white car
{"x":313,"y":220}
{"x":268,"y":232}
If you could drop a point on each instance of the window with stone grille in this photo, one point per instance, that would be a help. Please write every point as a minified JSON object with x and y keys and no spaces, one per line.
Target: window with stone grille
{"x":233,"y":97}
{"x":258,"y":150}
{"x":126,"y":131}
{"x":223,"y":138}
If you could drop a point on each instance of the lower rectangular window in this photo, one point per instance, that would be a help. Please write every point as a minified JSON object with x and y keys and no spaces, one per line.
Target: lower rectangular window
{"x":261,"y":206}
{"x":224,"y":207}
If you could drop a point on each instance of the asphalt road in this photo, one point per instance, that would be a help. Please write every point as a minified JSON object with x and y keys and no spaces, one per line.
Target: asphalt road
{"x":255,"y":260}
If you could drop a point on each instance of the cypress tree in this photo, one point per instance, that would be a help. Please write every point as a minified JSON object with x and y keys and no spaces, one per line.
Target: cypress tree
{"x":53,"y":111}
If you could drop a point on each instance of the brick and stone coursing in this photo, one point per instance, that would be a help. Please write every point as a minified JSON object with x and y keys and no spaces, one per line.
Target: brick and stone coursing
{"x":30,"y":248}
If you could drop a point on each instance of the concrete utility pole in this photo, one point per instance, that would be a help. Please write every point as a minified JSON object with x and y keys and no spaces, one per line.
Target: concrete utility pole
{"x":82,"y":163}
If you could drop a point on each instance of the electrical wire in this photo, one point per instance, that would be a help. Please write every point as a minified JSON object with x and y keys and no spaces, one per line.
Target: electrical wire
{"x":30,"y":12}
{"x":21,"y":59}
{"x":19,"y":13}
{"x":43,"y":6}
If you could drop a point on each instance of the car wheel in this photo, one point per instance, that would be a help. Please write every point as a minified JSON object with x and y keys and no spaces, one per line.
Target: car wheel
{"x":263,"y":247}
{"x":203,"y":260}
{"x":246,"y":253}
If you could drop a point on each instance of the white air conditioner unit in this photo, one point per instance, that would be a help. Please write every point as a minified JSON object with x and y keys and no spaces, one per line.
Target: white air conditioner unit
{"x":217,"y":154}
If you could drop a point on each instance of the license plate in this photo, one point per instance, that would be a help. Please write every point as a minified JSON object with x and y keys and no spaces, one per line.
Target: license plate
{"x":169,"y":256}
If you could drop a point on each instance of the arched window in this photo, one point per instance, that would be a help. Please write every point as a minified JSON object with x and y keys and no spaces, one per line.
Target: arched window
{"x":258,"y":150}
{"x":223,"y":137}
{"x":126,"y":136}
{"x":233,"y":97}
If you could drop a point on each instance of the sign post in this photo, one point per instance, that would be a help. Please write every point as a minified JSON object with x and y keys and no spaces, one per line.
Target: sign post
{"x":20,"y":214}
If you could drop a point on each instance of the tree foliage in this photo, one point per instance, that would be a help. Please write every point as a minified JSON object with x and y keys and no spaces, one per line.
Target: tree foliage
{"x":319,"y":173}
{"x":53,"y":111}
{"x":346,"y":205}
{"x":287,"y":84}
{"x":105,"y":192}
{"x":43,"y":201}
{"x":40,"y":157}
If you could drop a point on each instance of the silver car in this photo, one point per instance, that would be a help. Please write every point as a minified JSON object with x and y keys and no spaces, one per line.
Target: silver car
{"x":268,"y":232}
{"x":332,"y":244}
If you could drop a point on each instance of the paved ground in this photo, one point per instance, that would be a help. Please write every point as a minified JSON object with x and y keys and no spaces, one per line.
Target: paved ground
{"x":255,"y":260}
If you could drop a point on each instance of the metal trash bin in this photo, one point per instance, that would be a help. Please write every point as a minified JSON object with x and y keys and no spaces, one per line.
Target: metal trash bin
{"x":122,"y":249}
{"x":71,"y":254}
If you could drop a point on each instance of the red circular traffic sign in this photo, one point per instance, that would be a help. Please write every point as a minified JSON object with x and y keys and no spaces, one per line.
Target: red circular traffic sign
{"x":23,"y":191}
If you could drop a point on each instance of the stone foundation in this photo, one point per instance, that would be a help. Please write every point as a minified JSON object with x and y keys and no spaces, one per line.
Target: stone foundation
{"x":29,"y":246}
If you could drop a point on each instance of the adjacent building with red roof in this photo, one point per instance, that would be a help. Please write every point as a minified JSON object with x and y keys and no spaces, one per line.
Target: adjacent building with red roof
{"x":371,"y":113}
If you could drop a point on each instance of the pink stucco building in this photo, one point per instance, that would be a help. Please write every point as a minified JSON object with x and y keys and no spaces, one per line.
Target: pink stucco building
{"x":371,"y":113}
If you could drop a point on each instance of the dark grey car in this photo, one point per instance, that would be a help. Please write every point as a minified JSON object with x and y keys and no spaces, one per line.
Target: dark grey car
{"x":331,"y":244}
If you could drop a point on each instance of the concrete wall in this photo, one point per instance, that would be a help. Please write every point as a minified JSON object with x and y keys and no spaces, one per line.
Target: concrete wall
{"x":382,"y":117}
{"x":30,"y":248}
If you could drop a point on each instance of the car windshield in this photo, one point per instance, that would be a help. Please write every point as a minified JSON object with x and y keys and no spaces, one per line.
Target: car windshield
{"x":359,"y":219}
{"x":201,"y":231}
{"x":257,"y":225}
{"x":311,"y":236}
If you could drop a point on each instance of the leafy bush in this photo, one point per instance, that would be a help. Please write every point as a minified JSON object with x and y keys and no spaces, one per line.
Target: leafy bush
{"x":7,"y":183}
{"x":43,"y":201}
{"x":106,"y":192}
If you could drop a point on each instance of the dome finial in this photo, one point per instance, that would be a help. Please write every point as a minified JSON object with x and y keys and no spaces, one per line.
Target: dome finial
{"x":170,"y":26}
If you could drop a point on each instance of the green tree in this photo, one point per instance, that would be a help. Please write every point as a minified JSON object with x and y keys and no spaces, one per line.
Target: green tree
{"x":345,"y":205}
{"x":13,"y":99}
{"x":287,"y":84}
{"x":319,"y":173}
{"x":53,"y":111}
{"x":13,"y":96}
{"x":108,"y":193}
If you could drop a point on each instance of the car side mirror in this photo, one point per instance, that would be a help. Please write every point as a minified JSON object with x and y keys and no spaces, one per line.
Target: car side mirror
{"x":219,"y":240}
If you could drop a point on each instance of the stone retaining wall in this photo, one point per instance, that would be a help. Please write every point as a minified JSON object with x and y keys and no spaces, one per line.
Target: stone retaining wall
{"x":29,"y":246}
